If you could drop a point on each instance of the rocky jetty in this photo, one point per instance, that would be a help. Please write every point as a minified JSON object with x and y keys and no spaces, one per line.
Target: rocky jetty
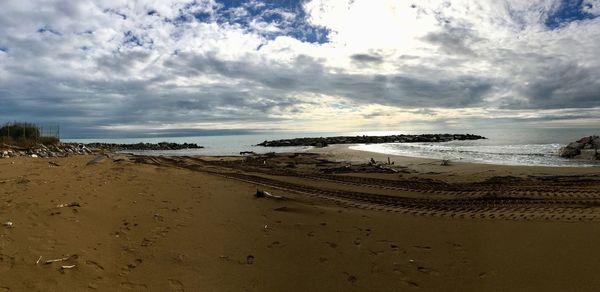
{"x":41,"y":150}
{"x":585,"y":148}
{"x":145,"y":146}
{"x":324,"y":141}
{"x":67,"y":149}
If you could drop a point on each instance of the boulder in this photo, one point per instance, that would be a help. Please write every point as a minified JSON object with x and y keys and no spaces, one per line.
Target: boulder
{"x":585,"y":140}
{"x":585,"y":148}
{"x":596,"y":142}
{"x":568,"y":152}
{"x":588,"y":154}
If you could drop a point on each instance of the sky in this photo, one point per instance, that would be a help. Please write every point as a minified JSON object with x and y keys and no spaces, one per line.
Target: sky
{"x":181,"y":67}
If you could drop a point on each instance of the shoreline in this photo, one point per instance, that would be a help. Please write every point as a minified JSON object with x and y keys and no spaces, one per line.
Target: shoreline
{"x":434,"y":168}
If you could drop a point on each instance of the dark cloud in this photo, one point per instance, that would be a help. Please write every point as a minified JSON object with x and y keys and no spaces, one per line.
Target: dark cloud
{"x":454,"y":40}
{"x":542,"y":82}
{"x":367,"y":58}
{"x":306,"y":74}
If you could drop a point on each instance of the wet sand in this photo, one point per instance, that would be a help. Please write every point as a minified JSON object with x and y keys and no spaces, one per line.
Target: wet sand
{"x":177,"y":225}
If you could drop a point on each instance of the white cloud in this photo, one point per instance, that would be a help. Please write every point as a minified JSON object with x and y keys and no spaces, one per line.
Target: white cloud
{"x":592,"y":6}
{"x":169,"y":64}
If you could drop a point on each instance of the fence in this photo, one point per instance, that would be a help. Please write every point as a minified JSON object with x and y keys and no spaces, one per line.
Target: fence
{"x":49,"y":131}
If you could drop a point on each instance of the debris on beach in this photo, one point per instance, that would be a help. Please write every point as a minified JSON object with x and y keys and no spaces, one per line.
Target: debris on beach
{"x":265,"y":194}
{"x":445,"y":162}
{"x":66,"y":267}
{"x":224,"y":257}
{"x":53,"y":163}
{"x":96,"y":160}
{"x":60,"y":259}
{"x":8,"y":224}
{"x":72,"y":204}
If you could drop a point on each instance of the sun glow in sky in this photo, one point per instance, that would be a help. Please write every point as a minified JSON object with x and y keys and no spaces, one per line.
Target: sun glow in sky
{"x":113,"y":67}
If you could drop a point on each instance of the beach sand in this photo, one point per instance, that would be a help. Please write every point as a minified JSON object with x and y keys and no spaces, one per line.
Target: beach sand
{"x":169,"y":225}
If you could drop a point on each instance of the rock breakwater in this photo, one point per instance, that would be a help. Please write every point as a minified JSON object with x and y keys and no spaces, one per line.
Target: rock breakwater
{"x":67,"y":149}
{"x":41,"y":150}
{"x":324,"y":141}
{"x":145,"y":146}
{"x":585,"y":148}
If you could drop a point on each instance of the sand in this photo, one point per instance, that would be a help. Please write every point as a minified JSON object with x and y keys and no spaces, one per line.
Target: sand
{"x":186,"y":225}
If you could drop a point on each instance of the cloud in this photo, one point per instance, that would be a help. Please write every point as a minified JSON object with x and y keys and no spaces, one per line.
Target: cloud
{"x":365,"y":59}
{"x":158,"y":66}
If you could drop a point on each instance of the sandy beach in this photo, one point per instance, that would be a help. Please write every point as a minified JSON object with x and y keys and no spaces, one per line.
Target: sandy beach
{"x":194,"y":224}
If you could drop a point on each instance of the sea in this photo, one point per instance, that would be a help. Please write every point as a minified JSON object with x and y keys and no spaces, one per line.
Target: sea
{"x":511,"y":146}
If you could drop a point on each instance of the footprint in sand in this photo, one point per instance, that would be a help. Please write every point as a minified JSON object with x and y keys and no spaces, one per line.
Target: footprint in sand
{"x":130,"y":267}
{"x":6,"y":262}
{"x":351,"y":278}
{"x":331,"y":244}
{"x":411,"y":284}
{"x":133,"y":286}
{"x":275,"y":244}
{"x":94,"y":264}
{"x":427,"y":271}
{"x":176,"y":285}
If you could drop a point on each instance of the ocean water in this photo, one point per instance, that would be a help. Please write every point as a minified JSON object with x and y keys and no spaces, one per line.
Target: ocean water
{"x":525,"y":146}
{"x":517,"y":146}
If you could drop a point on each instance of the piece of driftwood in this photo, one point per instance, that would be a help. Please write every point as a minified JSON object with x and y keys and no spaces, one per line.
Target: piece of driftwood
{"x":72,"y":204}
{"x":265,"y":194}
{"x":57,"y":260}
{"x":67,"y":267}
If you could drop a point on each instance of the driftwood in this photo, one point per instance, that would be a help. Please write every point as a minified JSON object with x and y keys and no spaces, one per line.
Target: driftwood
{"x":57,"y":260}
{"x":67,"y":267}
{"x":72,"y":204}
{"x":265,"y":194}
{"x":97,"y":160}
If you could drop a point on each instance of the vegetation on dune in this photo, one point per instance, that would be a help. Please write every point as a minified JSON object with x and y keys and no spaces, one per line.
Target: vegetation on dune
{"x":24,"y":134}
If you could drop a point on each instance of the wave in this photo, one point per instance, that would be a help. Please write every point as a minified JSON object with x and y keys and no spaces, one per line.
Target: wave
{"x":525,"y":154}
